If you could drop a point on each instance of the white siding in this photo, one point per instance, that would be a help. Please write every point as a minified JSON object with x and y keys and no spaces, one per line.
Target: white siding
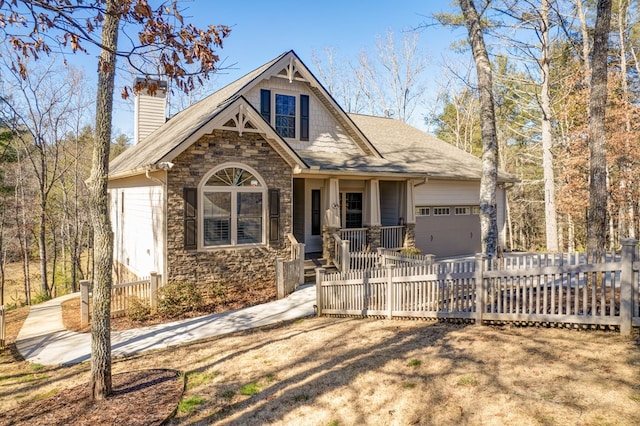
{"x":325,"y":134}
{"x":150,"y":113}
{"x":445,"y":193}
{"x":451,"y":235}
{"x":138,"y":225}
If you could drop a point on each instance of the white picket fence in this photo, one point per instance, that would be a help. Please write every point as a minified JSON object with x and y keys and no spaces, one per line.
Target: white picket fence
{"x":121,"y":296}
{"x":526,"y":289}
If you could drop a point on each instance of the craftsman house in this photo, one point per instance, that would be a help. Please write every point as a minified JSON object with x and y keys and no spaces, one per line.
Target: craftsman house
{"x":223,"y":188}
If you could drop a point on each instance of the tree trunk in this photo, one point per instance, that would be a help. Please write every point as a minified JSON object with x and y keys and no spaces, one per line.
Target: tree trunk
{"x":597,"y":213}
{"x":488,"y":210}
{"x":627,"y":211}
{"x":23,"y":236}
{"x":42,"y":247}
{"x":547,"y":140}
{"x":584,"y":31}
{"x":101,"y":385}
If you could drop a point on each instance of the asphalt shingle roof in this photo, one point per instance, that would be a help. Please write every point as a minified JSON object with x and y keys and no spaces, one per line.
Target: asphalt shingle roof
{"x":404,"y":148}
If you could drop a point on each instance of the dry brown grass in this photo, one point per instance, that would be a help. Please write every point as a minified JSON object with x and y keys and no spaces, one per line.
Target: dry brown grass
{"x":344,"y":371}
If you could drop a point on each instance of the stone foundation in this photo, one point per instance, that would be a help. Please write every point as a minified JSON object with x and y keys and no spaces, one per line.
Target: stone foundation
{"x":328,"y":247}
{"x":374,"y":237}
{"x":410,"y":236}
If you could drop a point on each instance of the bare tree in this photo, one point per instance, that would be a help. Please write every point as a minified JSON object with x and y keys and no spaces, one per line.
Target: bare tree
{"x":38,"y":112}
{"x":392,"y":81}
{"x":161,"y":31}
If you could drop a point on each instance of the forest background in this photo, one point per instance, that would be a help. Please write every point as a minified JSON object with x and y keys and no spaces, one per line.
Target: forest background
{"x":541,"y":67}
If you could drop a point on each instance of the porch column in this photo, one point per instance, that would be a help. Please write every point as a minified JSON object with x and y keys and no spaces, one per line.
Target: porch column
{"x":373,"y":202}
{"x":372,"y":209}
{"x":410,"y":217}
{"x":331,"y":217}
{"x":332,"y":212}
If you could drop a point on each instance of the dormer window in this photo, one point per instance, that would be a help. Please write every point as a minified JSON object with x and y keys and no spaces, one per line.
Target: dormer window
{"x":290,"y":116}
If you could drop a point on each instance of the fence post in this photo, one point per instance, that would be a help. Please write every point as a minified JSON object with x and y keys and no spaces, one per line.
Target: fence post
{"x":301,"y":260}
{"x":346,"y":258}
{"x":319,"y":302}
{"x":280,"y":278}
{"x":154,"y":280}
{"x":390,"y":293}
{"x":626,"y":285}
{"x":481,"y":288}
{"x":3,"y":327}
{"x":382,"y":261}
{"x":84,"y":303}
{"x":431,"y":259}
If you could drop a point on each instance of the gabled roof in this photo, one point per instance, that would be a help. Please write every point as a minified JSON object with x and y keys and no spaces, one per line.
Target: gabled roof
{"x":168,"y":141}
{"x":153,"y":149}
{"x":416,"y":151}
{"x":386,"y":146}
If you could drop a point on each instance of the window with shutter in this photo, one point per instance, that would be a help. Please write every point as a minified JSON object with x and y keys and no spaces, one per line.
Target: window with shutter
{"x":304,"y":117}
{"x":274,"y":215}
{"x":190,"y":196}
{"x":233,"y":207}
{"x":265,"y":104}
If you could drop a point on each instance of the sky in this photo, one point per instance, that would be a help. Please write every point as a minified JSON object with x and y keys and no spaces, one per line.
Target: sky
{"x":261,"y":30}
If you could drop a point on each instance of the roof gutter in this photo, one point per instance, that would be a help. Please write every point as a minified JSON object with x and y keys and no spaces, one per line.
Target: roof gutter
{"x":317,"y":171}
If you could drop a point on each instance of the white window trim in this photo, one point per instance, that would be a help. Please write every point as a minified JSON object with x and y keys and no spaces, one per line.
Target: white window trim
{"x":296,"y":95}
{"x":202,"y":187}
{"x":466,"y":212}
{"x":436,"y":213}
{"x":419,"y":210}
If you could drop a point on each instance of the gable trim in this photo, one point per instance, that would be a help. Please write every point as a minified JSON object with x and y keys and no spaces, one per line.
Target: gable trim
{"x":245,"y":119}
{"x":298,"y":71}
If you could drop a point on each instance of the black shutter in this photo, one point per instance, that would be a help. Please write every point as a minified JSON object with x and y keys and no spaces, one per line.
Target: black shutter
{"x":190,"y":218}
{"x":265,"y":104}
{"x":274,"y":215}
{"x":304,"y":117}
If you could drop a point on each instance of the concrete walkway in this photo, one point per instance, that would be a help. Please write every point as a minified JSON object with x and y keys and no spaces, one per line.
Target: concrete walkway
{"x":44,"y":340}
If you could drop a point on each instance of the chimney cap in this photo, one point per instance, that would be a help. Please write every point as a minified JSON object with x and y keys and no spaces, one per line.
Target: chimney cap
{"x":161,"y":84}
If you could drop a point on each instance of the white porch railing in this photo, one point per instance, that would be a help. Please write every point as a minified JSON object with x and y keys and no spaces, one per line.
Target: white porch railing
{"x":357,"y":238}
{"x":392,"y":237}
{"x":341,"y":251}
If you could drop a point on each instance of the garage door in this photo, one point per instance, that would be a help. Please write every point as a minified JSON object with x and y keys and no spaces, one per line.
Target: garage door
{"x":448,"y":230}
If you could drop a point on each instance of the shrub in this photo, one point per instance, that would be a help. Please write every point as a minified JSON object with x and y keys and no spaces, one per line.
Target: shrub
{"x":41,"y":296}
{"x":177,"y":298}
{"x":138,"y":309}
{"x":411,"y":251}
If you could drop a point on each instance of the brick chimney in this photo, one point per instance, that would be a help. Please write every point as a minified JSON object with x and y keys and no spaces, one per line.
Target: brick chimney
{"x":150,"y":111}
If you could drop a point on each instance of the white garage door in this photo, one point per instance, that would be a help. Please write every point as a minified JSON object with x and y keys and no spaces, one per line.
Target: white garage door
{"x":448,"y":230}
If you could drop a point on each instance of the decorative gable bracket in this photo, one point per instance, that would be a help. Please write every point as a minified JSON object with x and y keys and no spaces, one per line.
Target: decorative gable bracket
{"x":291,"y":72}
{"x":240,"y":122}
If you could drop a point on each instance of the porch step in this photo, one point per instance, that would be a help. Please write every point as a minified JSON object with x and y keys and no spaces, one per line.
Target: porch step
{"x":310,"y":266}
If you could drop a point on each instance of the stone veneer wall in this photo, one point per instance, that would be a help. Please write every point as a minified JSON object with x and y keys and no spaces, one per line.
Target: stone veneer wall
{"x":410,"y":236}
{"x":236,"y":266}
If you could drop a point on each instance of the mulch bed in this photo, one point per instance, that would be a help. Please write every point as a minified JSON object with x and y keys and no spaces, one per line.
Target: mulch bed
{"x":145,"y":397}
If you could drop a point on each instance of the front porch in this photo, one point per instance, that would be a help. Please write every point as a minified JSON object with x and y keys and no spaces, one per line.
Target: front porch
{"x":367,"y":213}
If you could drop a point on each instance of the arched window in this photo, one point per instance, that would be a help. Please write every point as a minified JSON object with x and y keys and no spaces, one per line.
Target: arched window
{"x":233,"y":208}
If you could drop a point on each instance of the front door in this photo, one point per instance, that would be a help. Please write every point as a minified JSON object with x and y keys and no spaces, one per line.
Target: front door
{"x":313,"y":216}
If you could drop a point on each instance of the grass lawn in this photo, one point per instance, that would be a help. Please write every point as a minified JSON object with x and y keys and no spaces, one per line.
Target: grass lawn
{"x":344,"y":371}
